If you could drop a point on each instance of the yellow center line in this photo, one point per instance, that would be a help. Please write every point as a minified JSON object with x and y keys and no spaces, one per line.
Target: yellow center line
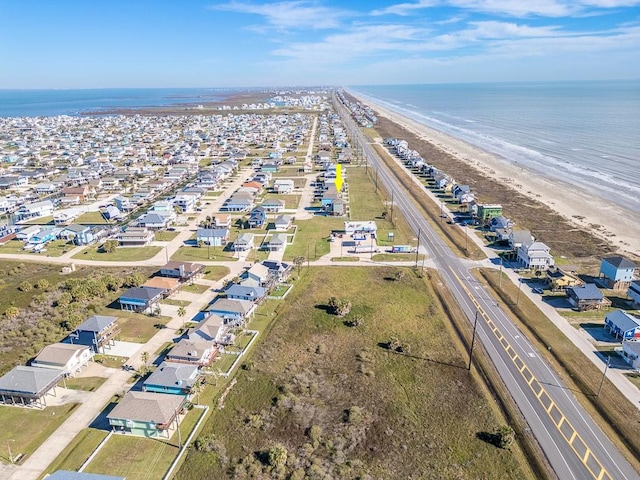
{"x":515,"y":358}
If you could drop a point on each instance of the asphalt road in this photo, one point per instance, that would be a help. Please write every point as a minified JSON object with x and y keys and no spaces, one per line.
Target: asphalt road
{"x":575,"y":446}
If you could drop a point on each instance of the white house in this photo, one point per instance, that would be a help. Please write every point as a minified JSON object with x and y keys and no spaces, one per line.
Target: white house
{"x":283,"y":185}
{"x":36,"y":209}
{"x":185,"y":201}
{"x":631,"y":353}
{"x":66,"y":357}
{"x":535,"y":256}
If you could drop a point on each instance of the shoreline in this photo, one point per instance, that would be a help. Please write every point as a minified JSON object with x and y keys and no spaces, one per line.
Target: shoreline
{"x":602,"y":218}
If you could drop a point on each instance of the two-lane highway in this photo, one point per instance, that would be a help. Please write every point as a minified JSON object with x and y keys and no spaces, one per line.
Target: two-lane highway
{"x":575,"y":446}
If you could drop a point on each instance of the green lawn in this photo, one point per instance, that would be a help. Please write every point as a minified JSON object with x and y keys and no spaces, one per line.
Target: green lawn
{"x":215,"y":193}
{"x":91,"y":218}
{"x":133,"y":457}
{"x":279,"y":290}
{"x":166,"y":236}
{"x":88,"y":384}
{"x":195,"y":288}
{"x":345,"y":259}
{"x":397,"y":257}
{"x":25,"y":429}
{"x":53,"y":249}
{"x":421,"y":412}
{"x":139,"y":328}
{"x":191,"y":254}
{"x":312,"y":237}
{"x":215,"y":272}
{"x":109,"y":360}
{"x":223,"y":364}
{"x":77,"y":452}
{"x":48,"y":220}
{"x":128,"y":254}
{"x":176,"y":303}
{"x":290,"y":201}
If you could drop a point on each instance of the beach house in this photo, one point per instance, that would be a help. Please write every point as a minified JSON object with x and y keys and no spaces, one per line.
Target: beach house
{"x":617,"y":272}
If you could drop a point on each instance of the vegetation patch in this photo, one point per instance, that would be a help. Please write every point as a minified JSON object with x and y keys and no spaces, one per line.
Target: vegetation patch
{"x":88,"y":384}
{"x":215,"y":272}
{"x":24,"y":429}
{"x":77,"y":452}
{"x":39,"y":305}
{"x":403,"y":415}
{"x":195,"y":288}
{"x":165,"y":235}
{"x":128,"y":254}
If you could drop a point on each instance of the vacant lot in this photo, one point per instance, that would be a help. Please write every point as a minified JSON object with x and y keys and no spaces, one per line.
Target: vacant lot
{"x":340,"y":404}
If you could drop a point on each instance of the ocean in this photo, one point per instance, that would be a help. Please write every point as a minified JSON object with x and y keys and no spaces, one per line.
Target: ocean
{"x":583,"y":133}
{"x":35,"y":103}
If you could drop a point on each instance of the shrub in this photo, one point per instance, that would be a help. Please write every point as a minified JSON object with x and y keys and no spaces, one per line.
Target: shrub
{"x":42,"y":284}
{"x":12,"y":312}
{"x":505,"y":436}
{"x":355,"y":415}
{"x":277,"y":456}
{"x":25,"y":286}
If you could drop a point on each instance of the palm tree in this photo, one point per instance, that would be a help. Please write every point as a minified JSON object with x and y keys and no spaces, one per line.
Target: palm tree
{"x":182,"y":312}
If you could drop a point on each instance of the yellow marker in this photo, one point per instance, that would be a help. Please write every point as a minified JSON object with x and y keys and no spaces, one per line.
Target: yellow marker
{"x":339,"y":177}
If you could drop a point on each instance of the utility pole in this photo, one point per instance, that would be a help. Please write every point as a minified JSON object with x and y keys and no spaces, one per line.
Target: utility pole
{"x":604,"y":374}
{"x":473,"y":340}
{"x":418,"y":247}
{"x":376,"y":179}
{"x":308,"y":246}
{"x":500,"y":280}
{"x":392,"y":222}
{"x":10,"y":454}
{"x":519,"y":288}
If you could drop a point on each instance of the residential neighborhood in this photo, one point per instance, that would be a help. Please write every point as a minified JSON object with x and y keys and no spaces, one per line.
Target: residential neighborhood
{"x":222,"y":213}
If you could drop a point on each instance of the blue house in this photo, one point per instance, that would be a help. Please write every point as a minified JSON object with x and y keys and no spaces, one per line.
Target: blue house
{"x":215,"y":237}
{"x":241,"y":292}
{"x":258,"y":217}
{"x":140,"y":299}
{"x":174,"y":378}
{"x":97,"y":332}
{"x":634,"y":291}
{"x":622,"y":325}
{"x":617,"y":272}
{"x":80,"y":234}
{"x":231,"y":310}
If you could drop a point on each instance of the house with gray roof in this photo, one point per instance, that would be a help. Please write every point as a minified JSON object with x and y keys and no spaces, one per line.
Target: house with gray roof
{"x":193,"y":351}
{"x":173,"y":378}
{"x":277,"y":242}
{"x":234,"y":312}
{"x":65,"y":357}
{"x":587,"y":297}
{"x":617,"y":272}
{"x":97,"y":332}
{"x":141,"y":299}
{"x":246,"y":292}
{"x":147,"y":414}
{"x":28,"y":386}
{"x":244,"y":242}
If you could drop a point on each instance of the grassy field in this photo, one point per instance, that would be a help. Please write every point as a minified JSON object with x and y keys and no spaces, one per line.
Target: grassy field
{"x":129,"y":254}
{"x":91,"y":218}
{"x":312,"y":237}
{"x":53,"y":249}
{"x":136,"y":457}
{"x":75,"y":454}
{"x":88,"y":384}
{"x":195,"y":288}
{"x":166,"y":236}
{"x":215,"y":272}
{"x":417,"y":414}
{"x":614,"y":413}
{"x":194,"y":254}
{"x":25,"y":429}
{"x":138,"y":328}
{"x":290,"y":201}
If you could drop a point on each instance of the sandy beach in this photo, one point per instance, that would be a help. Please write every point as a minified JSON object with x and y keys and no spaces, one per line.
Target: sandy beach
{"x":602,"y":218}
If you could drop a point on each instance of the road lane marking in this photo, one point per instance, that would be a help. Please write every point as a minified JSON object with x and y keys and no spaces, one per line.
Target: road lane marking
{"x":586,"y":456}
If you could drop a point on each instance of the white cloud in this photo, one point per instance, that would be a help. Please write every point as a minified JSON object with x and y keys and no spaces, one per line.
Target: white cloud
{"x":288,"y":14}
{"x":517,"y":8}
{"x":404,"y":9}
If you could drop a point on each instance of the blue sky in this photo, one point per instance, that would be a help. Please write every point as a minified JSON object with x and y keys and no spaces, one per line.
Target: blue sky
{"x":193,"y":43}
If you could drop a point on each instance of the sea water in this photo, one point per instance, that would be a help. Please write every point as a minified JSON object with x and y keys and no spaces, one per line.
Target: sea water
{"x":35,"y":103}
{"x":583,"y":133}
